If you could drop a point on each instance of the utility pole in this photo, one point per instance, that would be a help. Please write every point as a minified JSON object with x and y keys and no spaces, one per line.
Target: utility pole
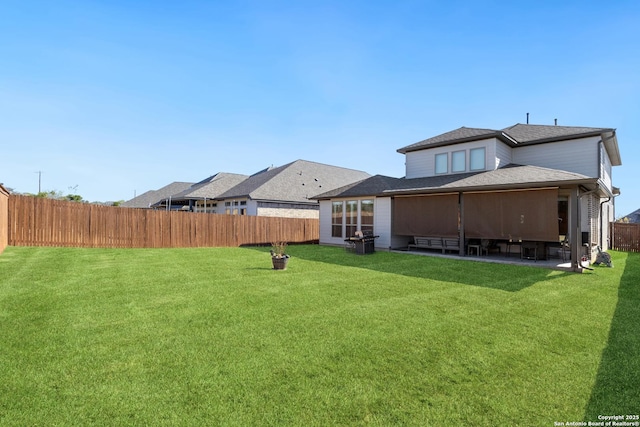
{"x":39,"y":181}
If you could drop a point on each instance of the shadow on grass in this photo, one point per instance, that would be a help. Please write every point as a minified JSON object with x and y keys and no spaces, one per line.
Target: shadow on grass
{"x":511,"y":278}
{"x":617,"y":387}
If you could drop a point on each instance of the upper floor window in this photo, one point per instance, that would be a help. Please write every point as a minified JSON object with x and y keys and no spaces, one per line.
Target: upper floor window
{"x":458,"y":161}
{"x":477,"y":159}
{"x":442,"y":163}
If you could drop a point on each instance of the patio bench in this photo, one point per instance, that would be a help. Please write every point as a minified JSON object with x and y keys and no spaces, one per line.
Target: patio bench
{"x":450,"y":245}
{"x":438,"y":243}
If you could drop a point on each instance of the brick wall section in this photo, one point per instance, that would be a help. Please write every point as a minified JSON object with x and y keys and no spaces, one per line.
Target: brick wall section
{"x":289,"y":213}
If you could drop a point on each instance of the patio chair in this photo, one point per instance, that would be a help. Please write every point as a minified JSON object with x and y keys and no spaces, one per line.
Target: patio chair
{"x":487,"y":246}
{"x":565,"y":251}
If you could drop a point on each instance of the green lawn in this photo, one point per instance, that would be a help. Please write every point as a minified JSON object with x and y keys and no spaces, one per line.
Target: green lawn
{"x":216,"y":337}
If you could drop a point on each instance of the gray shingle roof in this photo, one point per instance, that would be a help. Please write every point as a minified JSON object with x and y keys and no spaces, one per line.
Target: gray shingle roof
{"x":210,"y":187}
{"x":510,"y":176}
{"x":634,"y":216}
{"x":375,"y":185}
{"x":541,"y":133}
{"x":518,"y":134}
{"x":151,"y":197}
{"x":462,"y":134}
{"x":297,"y":182}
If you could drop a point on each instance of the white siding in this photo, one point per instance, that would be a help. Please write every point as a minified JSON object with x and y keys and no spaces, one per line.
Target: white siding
{"x":325,"y":225}
{"x":503,"y":154}
{"x":382,"y":221}
{"x":579,"y":156}
{"x":421,"y":163}
{"x":252,"y":207}
{"x":605,"y":168}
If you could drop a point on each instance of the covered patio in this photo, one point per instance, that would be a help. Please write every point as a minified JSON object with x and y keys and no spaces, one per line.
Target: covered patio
{"x":553,"y":262}
{"x":538,"y":225}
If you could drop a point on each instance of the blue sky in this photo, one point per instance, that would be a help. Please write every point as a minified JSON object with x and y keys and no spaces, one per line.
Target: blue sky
{"x":113,"y":98}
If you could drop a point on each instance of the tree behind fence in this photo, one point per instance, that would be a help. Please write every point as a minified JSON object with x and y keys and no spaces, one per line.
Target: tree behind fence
{"x":37,"y":221}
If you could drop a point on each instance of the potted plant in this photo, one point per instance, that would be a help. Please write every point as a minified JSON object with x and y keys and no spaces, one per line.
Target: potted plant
{"x":279,"y":256}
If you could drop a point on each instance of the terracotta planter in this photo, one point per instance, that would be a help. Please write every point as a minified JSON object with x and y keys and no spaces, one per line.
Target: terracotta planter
{"x":280,"y":263}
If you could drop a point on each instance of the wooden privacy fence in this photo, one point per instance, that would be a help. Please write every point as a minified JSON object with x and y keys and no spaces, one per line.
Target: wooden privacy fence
{"x":625,"y":237}
{"x":37,"y":221}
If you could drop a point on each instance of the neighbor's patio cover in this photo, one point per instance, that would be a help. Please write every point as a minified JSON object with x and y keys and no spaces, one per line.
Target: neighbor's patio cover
{"x":516,"y":215}
{"x":426,"y":215}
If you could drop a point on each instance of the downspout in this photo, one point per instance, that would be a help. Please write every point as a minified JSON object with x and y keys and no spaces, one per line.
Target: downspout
{"x":601,"y":240}
{"x":461,"y":232}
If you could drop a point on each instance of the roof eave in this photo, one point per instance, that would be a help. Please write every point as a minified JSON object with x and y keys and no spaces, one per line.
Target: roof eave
{"x":347,"y":196}
{"x":597,"y":132}
{"x":493,"y":187}
{"x":610,"y":141}
{"x":500,"y":135}
{"x":308,"y":201}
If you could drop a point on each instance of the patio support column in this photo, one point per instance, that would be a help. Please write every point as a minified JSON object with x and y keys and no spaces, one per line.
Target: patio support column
{"x":574,"y":227}
{"x":461,"y":224}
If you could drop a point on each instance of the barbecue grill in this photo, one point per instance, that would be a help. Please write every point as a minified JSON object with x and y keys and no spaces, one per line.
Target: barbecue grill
{"x":362,"y":243}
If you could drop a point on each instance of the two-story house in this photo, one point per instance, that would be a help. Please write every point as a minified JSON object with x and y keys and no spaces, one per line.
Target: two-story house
{"x":525,"y":183}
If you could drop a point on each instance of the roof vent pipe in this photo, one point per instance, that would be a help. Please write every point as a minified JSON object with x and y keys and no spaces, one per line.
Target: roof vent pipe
{"x":527,"y":118}
{"x":555,"y":122}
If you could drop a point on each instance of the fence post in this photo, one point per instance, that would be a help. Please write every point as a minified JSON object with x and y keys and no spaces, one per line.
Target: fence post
{"x":4,"y":218}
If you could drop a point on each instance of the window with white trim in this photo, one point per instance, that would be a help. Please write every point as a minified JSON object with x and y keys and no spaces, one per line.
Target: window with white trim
{"x":366,"y":215}
{"x":336,"y":219}
{"x":442,"y":163}
{"x":477,"y":159}
{"x":458,"y":161}
{"x":351,"y":218}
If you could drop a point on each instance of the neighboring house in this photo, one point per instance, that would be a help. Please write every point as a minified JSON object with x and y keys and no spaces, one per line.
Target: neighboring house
{"x":148,"y":199}
{"x":200,"y":197}
{"x":524,"y":183}
{"x":285,"y":191}
{"x":633,"y":217}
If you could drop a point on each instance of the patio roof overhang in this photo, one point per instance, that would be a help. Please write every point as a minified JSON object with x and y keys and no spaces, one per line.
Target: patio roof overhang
{"x":590,"y":184}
